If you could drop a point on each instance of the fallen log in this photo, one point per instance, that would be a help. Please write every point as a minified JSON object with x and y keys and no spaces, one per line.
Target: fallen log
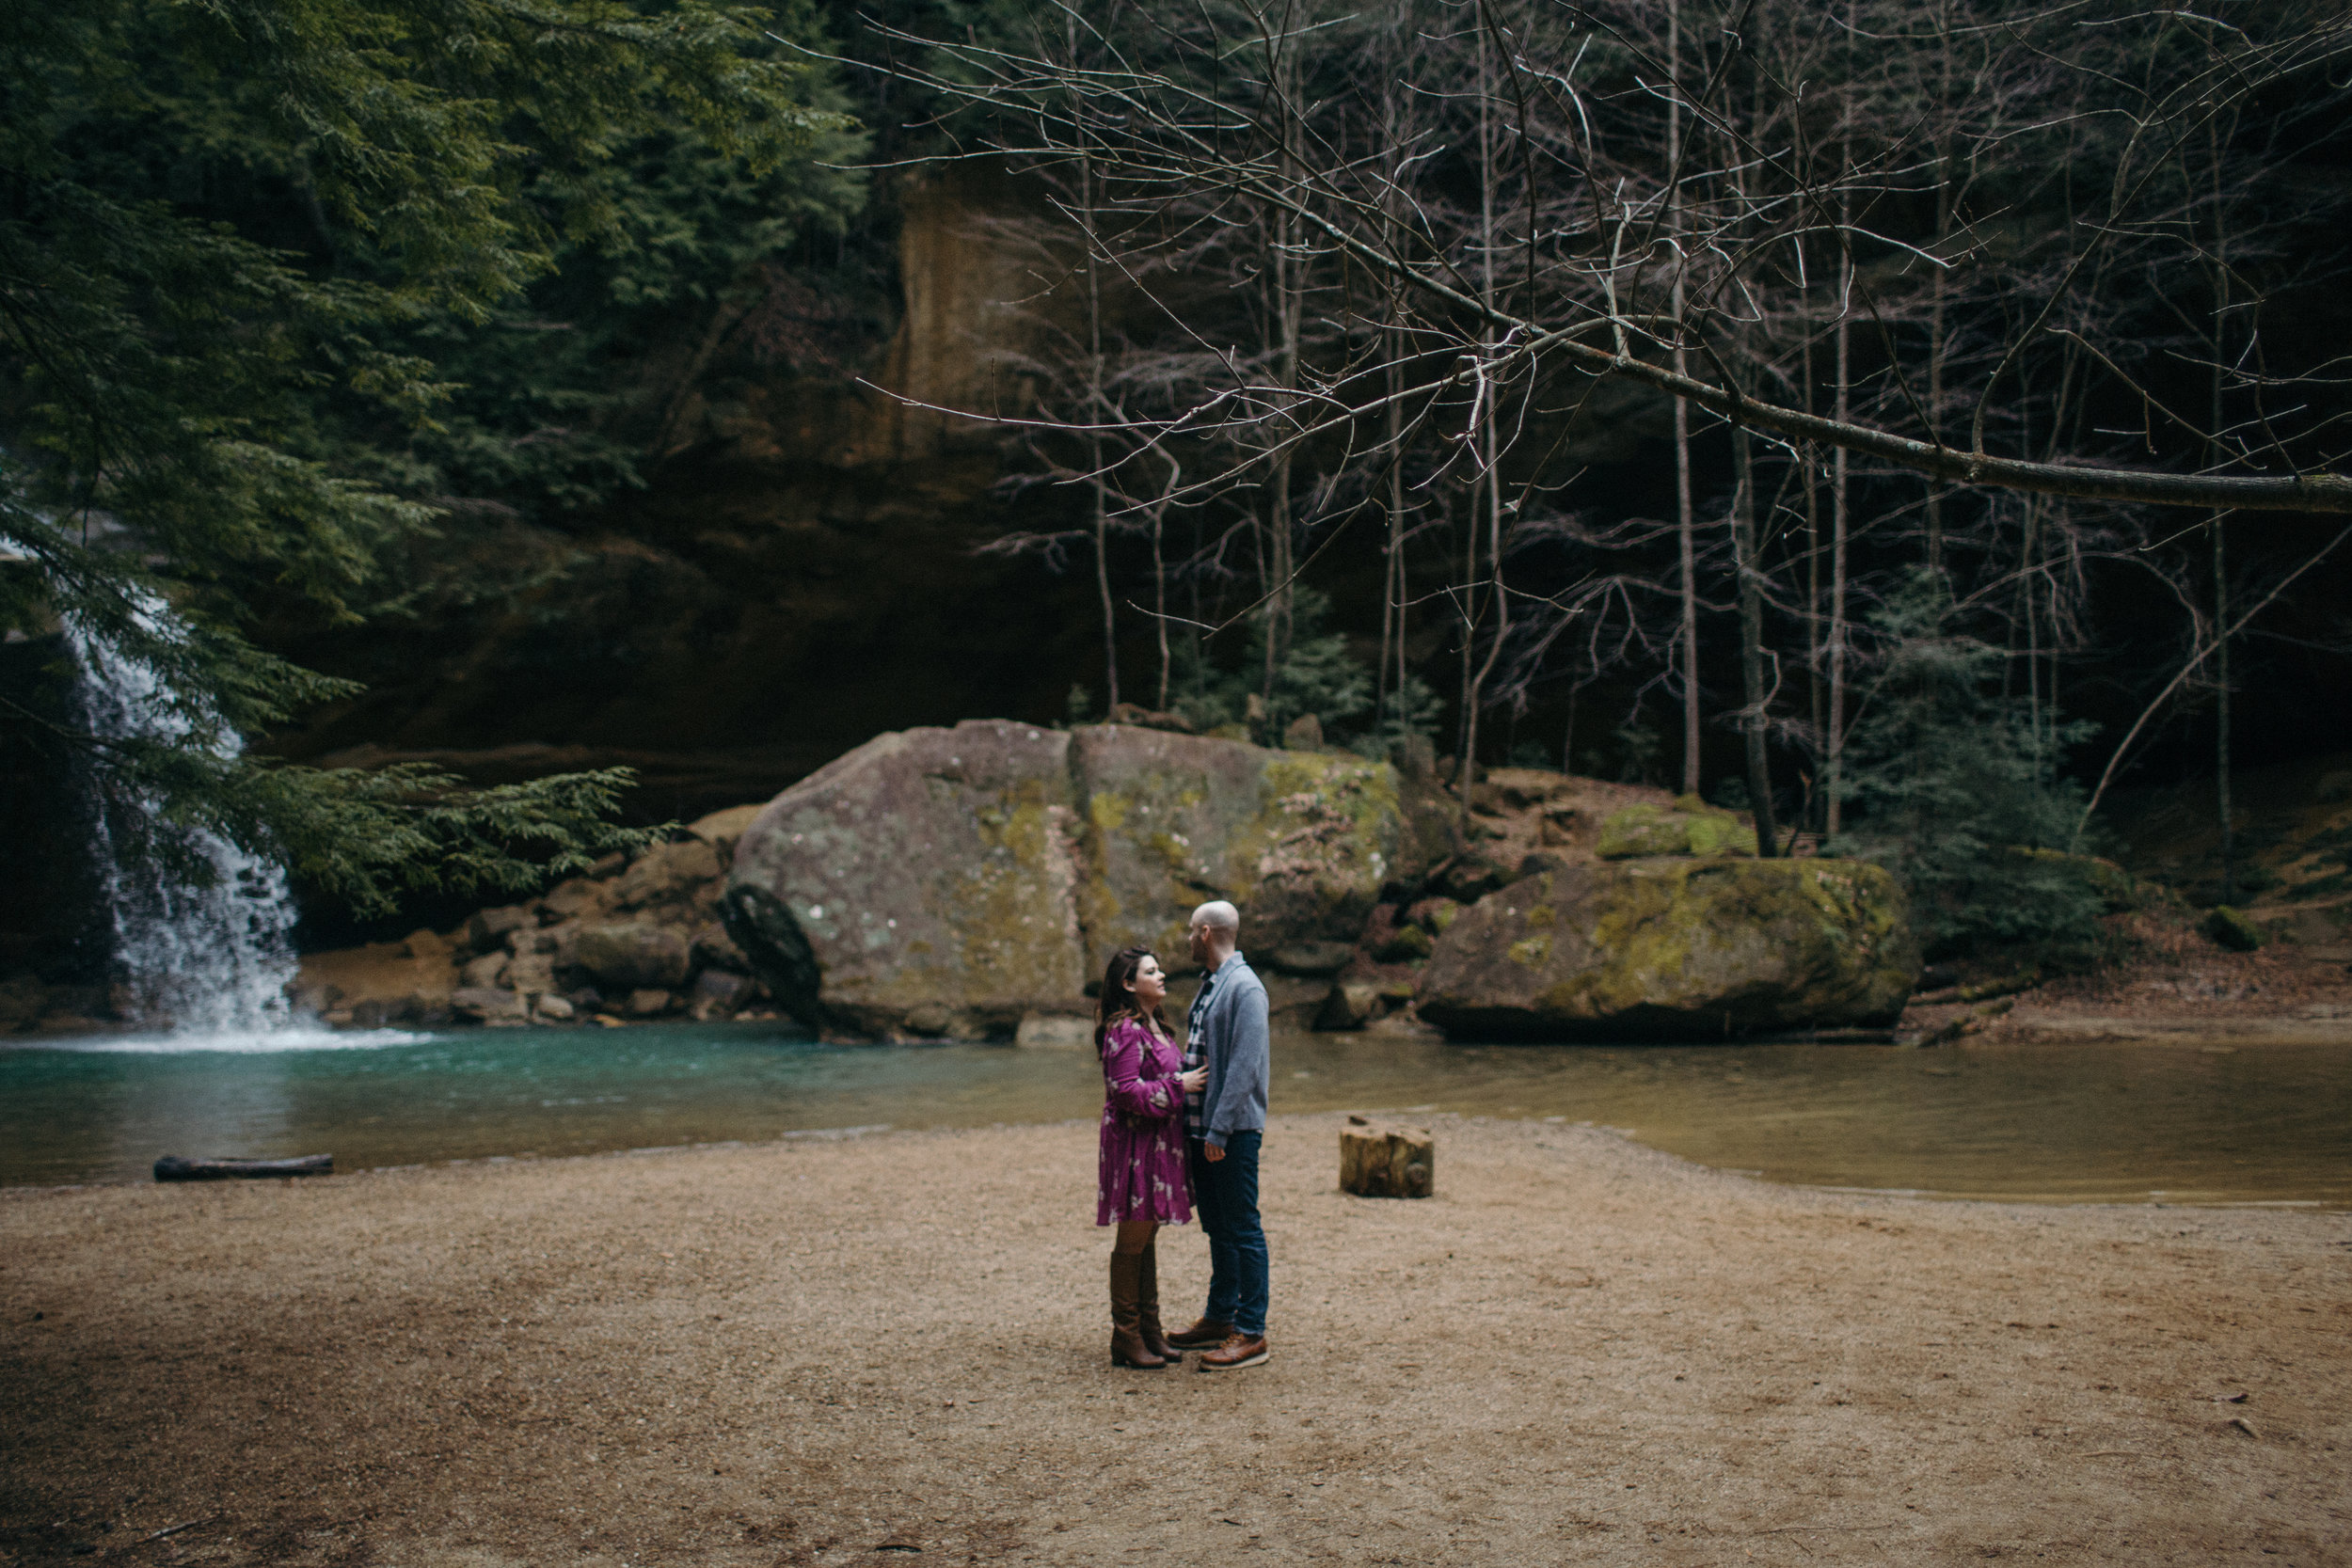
{"x":171,"y":1168}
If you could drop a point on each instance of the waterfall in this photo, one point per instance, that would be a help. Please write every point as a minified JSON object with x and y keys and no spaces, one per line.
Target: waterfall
{"x":209,"y":961}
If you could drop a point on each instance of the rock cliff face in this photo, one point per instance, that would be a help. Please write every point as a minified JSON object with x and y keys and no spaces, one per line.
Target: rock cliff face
{"x":947,"y":881}
{"x":1675,"y":949}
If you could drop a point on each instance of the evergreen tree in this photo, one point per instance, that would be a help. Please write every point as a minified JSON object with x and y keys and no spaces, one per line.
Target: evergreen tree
{"x":1316,"y":674}
{"x":237,"y":241}
{"x":1955,"y":790}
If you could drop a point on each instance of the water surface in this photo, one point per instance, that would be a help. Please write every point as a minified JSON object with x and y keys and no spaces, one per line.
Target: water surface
{"x":2077,"y":1123}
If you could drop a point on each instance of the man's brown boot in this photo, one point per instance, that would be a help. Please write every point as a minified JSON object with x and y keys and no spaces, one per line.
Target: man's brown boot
{"x":1147,"y":1306}
{"x":1127,"y":1347}
{"x":1239,"y":1351}
{"x":1207,"y":1334}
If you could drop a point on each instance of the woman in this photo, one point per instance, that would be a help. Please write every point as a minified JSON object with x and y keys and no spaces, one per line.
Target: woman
{"x":1142,"y":1168}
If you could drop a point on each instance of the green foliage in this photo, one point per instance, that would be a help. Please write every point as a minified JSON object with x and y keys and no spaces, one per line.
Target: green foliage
{"x":1411,"y":709}
{"x":248,"y":252}
{"x":1640,"y":747}
{"x":560,"y":396}
{"x":1317,"y":675}
{"x":367,"y":836}
{"x":1944,"y":780}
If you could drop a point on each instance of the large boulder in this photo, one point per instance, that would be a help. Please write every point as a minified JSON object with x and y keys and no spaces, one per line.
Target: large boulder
{"x":1675,"y":950}
{"x":950,"y":881}
{"x":930,"y":869}
{"x":1300,"y":841}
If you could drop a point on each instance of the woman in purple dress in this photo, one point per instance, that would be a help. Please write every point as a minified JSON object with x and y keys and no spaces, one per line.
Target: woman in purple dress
{"x":1143,"y":1181}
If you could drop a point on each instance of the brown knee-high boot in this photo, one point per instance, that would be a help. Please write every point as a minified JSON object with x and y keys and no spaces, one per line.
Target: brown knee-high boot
{"x":1147,"y":1306}
{"x":1127,"y":1347}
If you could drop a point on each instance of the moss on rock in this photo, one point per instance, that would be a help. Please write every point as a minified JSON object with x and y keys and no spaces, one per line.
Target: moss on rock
{"x":2233,"y":930}
{"x":1675,"y":949}
{"x":1301,"y":842}
{"x":1693,"y":828}
{"x":925,"y":871}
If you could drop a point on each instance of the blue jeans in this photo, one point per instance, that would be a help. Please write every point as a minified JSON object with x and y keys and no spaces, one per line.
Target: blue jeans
{"x":1225,"y":1193}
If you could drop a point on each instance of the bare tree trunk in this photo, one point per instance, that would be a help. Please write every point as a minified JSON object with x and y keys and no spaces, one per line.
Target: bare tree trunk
{"x":1833,"y":740}
{"x":1685,"y":522}
{"x":1390,"y":698}
{"x":1490,"y":483}
{"x":1816,"y":694}
{"x":1747,"y":567}
{"x":1159,"y":580}
{"x":1096,"y":411}
{"x":1937,"y":282}
{"x":2221,"y":714}
{"x":2221,"y":558}
{"x":1282,"y":269}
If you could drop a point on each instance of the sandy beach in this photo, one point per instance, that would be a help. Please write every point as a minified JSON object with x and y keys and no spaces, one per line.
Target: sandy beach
{"x":831,"y":1350}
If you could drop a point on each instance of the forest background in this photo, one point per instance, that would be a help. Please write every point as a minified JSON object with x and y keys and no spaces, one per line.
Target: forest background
{"x":418,"y":346}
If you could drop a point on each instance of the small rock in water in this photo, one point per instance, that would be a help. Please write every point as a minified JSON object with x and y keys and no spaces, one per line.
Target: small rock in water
{"x":554,"y":1009}
{"x":650,"y":1004}
{"x":717,"y":993}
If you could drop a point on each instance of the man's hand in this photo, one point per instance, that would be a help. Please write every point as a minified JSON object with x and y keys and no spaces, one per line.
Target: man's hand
{"x":1212,"y":1152}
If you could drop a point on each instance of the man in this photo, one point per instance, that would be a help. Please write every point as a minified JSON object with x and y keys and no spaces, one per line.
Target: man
{"x":1225,"y":1120}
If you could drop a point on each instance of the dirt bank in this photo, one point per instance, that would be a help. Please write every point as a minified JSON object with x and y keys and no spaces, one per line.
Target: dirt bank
{"x":814,"y":1351}
{"x":2172,"y":983}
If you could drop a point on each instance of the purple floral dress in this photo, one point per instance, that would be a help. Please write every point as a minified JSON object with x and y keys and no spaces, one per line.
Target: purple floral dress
{"x":1142,"y":1168}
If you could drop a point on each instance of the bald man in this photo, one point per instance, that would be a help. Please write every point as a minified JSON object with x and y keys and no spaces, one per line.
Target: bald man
{"x":1227,"y":1033}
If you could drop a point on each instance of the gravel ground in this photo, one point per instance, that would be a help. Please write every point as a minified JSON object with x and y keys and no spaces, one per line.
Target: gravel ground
{"x":857,"y":1351}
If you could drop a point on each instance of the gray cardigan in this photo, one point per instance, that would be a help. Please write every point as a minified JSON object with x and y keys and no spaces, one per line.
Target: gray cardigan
{"x":1235,"y":1048}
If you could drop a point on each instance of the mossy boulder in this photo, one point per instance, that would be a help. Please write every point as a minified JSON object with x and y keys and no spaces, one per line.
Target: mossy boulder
{"x":2233,"y":930}
{"x":1664,"y":949}
{"x":1692,"y":828}
{"x":929,"y":876}
{"x":1301,"y":842}
{"x":947,"y":881}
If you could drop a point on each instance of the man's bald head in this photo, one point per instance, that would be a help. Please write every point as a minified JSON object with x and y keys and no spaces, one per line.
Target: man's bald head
{"x":1214,"y":933}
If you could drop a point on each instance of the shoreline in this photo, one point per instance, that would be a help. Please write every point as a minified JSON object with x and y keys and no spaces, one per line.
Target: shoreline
{"x":805,"y":1351}
{"x":1946,"y":1123}
{"x":1417,"y":1116}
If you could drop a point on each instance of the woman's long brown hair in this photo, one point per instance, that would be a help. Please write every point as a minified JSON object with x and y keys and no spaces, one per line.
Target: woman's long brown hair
{"x":1117,"y":1002}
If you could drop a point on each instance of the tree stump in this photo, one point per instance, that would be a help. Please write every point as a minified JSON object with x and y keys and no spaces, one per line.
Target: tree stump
{"x":1387,"y":1161}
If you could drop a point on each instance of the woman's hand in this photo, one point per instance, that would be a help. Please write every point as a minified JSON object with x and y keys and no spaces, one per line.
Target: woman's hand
{"x":1194,"y":1081}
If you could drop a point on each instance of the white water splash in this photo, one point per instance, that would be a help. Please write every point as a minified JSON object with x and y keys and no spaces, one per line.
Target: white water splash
{"x":202,"y":963}
{"x":292,"y":1035}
